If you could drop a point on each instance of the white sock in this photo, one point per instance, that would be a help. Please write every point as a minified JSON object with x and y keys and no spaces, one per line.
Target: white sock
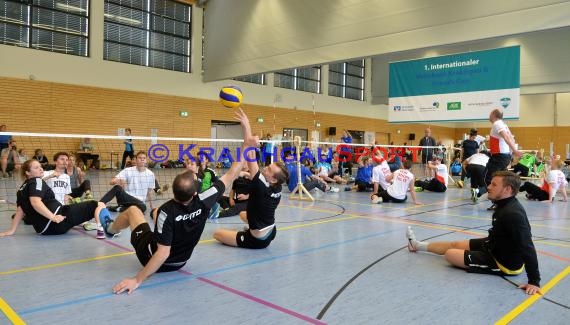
{"x":418,"y":245}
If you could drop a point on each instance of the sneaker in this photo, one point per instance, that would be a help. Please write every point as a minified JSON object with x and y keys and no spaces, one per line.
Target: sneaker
{"x":215,"y":211}
{"x":474,"y":196}
{"x":411,"y":239}
{"x":460,"y":184}
{"x":88,"y":226}
{"x":115,"y":208}
{"x":418,"y":189}
{"x":377,"y":199}
{"x":161,"y":190}
{"x":88,"y":195}
{"x":106,"y":222}
{"x":100,"y":233}
{"x":334,"y":189}
{"x":74,"y":200}
{"x":348,"y":188}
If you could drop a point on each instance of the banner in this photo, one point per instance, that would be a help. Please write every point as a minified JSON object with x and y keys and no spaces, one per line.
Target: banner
{"x":458,"y":87}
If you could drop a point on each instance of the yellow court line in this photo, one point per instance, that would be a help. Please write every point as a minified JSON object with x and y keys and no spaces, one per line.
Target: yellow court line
{"x":47,"y":266}
{"x":532,"y":299}
{"x":10,"y":313}
{"x":544,"y":242}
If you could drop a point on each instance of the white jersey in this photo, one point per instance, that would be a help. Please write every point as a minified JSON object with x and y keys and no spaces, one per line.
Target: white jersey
{"x":478,"y":159}
{"x":555,"y":181}
{"x":138,"y":183}
{"x":496,"y":142}
{"x":441,"y":174}
{"x":379,"y":174}
{"x":400,"y":184}
{"x":60,"y":185}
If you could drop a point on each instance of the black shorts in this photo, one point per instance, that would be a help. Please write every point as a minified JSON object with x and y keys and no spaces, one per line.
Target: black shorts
{"x":245,"y":239}
{"x":478,"y":259}
{"x":75,"y":214}
{"x":144,"y":243}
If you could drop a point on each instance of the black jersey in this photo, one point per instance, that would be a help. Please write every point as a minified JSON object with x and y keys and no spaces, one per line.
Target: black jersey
{"x":36,"y":187}
{"x":263,"y":200}
{"x":241,"y":185}
{"x":510,"y":239}
{"x":180,"y":226}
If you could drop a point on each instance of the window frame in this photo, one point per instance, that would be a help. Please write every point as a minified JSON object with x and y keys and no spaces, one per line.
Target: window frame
{"x":31,"y":28}
{"x":151,"y":34}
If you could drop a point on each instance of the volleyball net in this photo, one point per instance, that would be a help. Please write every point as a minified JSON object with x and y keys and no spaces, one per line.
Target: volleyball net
{"x":100,"y":158}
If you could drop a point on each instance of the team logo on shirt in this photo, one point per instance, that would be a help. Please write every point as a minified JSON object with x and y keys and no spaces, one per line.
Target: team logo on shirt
{"x":276,"y":195}
{"x":182,"y":217}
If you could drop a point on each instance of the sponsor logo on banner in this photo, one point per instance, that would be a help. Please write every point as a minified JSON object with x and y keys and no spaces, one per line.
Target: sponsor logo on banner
{"x":481,"y":104}
{"x":404,"y":108}
{"x":505,"y":101}
{"x":433,"y":107}
{"x":454,"y":106}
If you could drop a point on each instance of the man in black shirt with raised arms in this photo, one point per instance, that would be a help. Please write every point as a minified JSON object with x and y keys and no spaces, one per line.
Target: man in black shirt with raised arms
{"x":264,"y":197}
{"x":178,"y":223}
{"x":506,"y":251}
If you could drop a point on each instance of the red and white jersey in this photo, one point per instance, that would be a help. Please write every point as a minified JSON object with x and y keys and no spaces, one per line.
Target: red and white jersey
{"x":441,"y":174}
{"x":496,"y":142}
{"x":555,"y":180}
{"x":380,"y":172}
{"x":400,"y":184}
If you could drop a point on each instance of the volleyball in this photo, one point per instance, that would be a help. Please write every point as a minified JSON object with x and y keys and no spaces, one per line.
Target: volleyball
{"x":231,"y":96}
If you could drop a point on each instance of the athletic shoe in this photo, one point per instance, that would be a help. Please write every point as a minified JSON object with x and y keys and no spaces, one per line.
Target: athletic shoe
{"x":215,"y":211}
{"x":115,"y":208}
{"x":460,"y":184}
{"x":348,"y":188}
{"x":377,"y":199}
{"x":100,"y":233}
{"x":106,"y":222}
{"x":88,"y":195}
{"x":334,"y":189}
{"x":411,"y":239}
{"x":75,"y":200}
{"x":418,"y":189}
{"x":161,"y":190}
{"x":474,"y":196}
{"x":88,"y":226}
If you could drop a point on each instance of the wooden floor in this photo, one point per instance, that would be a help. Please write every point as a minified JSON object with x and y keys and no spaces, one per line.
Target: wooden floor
{"x":339,"y":260}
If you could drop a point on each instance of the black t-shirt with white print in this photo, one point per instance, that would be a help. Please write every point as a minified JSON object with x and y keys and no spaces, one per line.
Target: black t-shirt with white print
{"x":263,"y":201}
{"x":39,"y":188}
{"x":180,"y":226}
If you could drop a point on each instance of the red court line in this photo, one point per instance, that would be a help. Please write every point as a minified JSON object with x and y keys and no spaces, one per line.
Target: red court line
{"x":226,"y":288}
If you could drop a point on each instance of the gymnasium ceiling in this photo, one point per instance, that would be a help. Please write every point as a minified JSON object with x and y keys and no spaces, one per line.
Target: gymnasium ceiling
{"x":253,"y":36}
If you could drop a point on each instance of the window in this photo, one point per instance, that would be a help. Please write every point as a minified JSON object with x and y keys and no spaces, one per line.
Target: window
{"x":152,"y":33}
{"x":254,"y":79}
{"x":305,"y":79}
{"x":347,"y":79}
{"x":290,"y":134}
{"x":52,"y":25}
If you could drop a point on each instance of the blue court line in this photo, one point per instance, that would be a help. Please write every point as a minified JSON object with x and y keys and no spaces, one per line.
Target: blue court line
{"x":203,"y":274}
